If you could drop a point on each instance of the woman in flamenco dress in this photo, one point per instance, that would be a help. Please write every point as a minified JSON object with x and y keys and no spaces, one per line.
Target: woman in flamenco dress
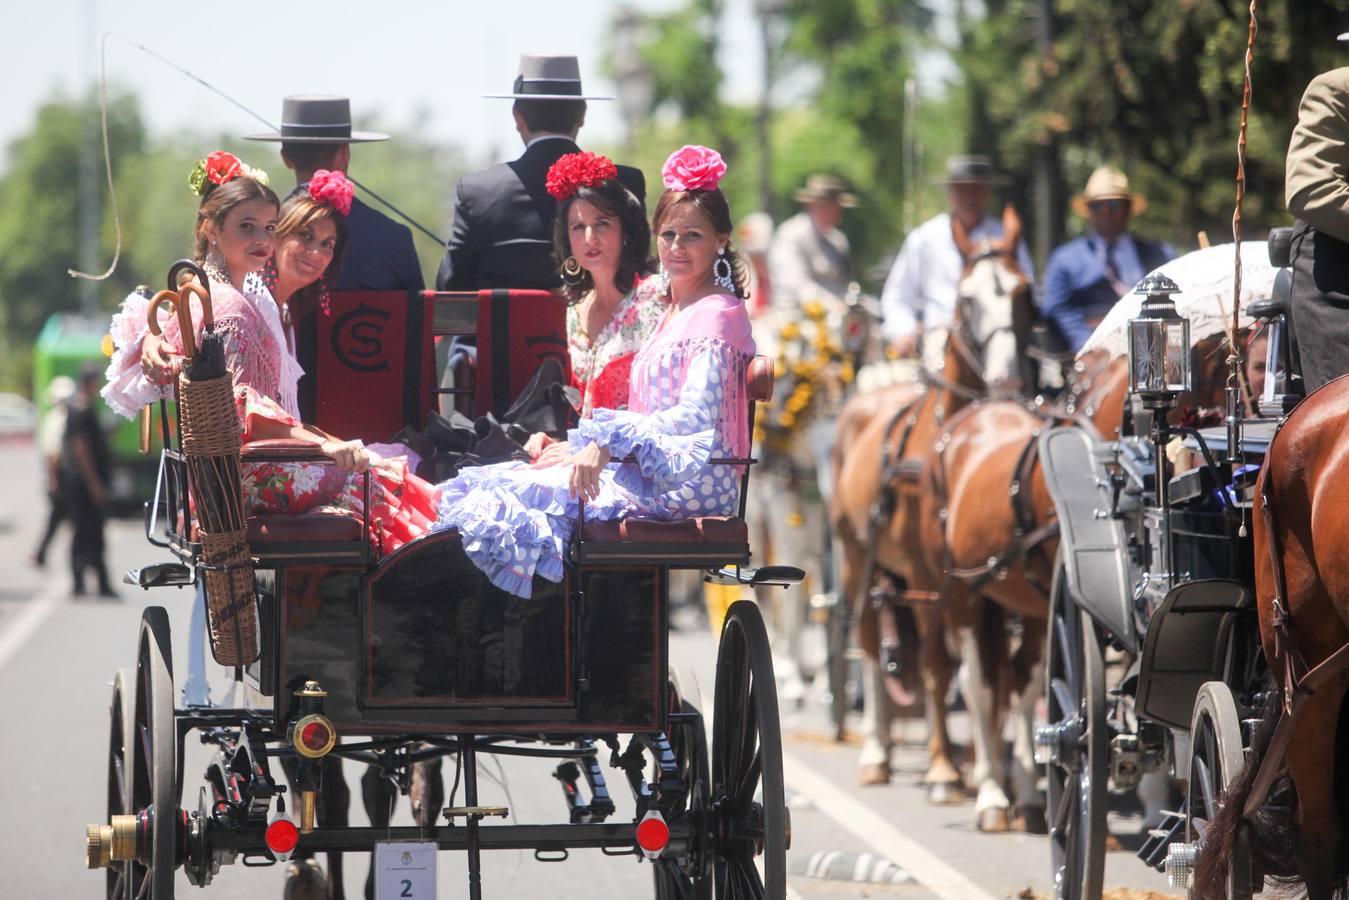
{"x":262,"y":259}
{"x":687,"y":405}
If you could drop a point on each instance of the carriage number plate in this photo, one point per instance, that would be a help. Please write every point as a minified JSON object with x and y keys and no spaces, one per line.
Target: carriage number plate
{"x":406,"y":870}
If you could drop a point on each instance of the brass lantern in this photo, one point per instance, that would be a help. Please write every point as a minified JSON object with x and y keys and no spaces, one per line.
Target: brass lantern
{"x":1159,"y":345}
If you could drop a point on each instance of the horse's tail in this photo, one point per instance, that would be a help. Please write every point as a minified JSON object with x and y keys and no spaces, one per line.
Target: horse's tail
{"x":1271,"y":831}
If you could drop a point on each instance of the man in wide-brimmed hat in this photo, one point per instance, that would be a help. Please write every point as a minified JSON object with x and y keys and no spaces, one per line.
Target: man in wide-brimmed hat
{"x":810,"y":257}
{"x":919,"y":296}
{"x":1316,"y":187}
{"x":1087,"y":275}
{"x":503,"y":215}
{"x":316,"y":133}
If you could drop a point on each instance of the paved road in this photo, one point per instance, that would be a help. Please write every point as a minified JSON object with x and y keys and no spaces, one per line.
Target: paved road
{"x":58,"y":655}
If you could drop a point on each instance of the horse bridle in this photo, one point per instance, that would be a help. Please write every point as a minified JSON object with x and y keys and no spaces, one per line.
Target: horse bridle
{"x":967,"y":345}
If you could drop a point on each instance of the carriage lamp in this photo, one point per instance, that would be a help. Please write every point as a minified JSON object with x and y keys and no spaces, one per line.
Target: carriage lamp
{"x":1159,"y":345}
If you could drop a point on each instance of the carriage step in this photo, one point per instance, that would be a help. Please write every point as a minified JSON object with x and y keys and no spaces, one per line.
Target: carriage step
{"x":160,"y":575}
{"x":1154,"y":849}
{"x":474,"y":812}
{"x":779,"y":576}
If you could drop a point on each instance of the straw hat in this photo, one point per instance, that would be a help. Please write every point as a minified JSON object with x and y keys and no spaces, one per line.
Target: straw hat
{"x":1108,"y":183}
{"x":317,"y":119}
{"x":826,"y":187}
{"x":545,"y":77}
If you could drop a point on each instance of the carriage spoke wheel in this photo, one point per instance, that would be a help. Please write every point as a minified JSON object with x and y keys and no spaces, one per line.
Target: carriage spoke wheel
{"x":690,"y":876}
{"x":153,"y":761}
{"x":1078,"y":746}
{"x":1216,"y":757}
{"x":749,"y":815}
{"x":120,"y":729}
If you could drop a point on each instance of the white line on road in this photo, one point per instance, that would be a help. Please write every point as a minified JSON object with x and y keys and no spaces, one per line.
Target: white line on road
{"x":868,"y":826}
{"x":27,"y":621}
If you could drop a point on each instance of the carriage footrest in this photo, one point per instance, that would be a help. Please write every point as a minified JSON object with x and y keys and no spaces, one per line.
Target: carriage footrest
{"x":779,"y":576}
{"x":171,"y":574}
{"x":1172,"y":828}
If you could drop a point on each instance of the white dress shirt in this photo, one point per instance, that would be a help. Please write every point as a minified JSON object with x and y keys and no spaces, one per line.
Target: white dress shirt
{"x":921,"y":287}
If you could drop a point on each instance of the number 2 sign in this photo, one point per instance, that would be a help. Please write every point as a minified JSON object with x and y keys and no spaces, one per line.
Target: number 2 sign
{"x":405,"y":870}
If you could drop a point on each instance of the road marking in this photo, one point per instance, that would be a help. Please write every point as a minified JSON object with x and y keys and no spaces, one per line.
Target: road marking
{"x":869,"y":827}
{"x":27,"y":621}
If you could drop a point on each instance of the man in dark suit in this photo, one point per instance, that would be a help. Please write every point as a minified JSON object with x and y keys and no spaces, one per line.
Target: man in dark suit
{"x":503,"y":216}
{"x":316,"y":134}
{"x":1086,"y":276}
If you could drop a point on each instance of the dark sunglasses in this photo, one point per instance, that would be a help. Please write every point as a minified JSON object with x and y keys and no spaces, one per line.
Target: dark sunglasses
{"x":1109,"y":205}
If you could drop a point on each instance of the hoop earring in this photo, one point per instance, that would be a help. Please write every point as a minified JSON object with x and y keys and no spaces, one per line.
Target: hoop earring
{"x":723,"y":276}
{"x":571,"y":269}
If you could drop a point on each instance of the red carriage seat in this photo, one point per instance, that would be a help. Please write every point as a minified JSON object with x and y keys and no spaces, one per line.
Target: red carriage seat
{"x":699,"y":540}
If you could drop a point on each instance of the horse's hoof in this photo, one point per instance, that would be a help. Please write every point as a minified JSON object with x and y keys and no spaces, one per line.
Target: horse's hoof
{"x":993,"y":821}
{"x":305,"y":881}
{"x":945,"y":793}
{"x":1031,"y":820}
{"x":873,"y":774}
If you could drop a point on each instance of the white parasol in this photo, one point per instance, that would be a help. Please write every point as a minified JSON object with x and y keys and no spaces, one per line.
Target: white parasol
{"x":1205,"y":298}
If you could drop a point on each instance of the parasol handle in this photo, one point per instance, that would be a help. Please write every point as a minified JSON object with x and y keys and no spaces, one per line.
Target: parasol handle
{"x":152,"y":311}
{"x":181,"y":266}
{"x":185,"y":314}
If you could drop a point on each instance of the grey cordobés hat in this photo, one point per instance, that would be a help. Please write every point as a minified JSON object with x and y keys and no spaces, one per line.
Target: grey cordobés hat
{"x":972,"y":169}
{"x":317,"y":119}
{"x":544,"y":77}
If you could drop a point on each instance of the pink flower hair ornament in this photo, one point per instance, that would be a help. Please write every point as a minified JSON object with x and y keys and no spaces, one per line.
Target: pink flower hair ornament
{"x":332,"y":188}
{"x":693,"y":168}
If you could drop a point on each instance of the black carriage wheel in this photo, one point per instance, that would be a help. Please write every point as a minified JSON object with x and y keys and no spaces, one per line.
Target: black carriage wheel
{"x":747,"y":763}
{"x":154,"y":758}
{"x":1216,"y":757}
{"x":1075,"y":700}
{"x":689,"y":878}
{"x":120,"y":727}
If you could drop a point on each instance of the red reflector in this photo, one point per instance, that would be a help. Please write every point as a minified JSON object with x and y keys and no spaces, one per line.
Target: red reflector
{"x":315,"y":736}
{"x":653,"y":834}
{"x":282,"y":836}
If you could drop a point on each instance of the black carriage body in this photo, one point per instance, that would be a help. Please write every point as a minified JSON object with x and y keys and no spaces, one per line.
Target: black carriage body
{"x":425,"y":644}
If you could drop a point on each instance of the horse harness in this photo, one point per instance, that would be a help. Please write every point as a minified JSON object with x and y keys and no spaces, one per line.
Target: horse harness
{"x":1298,"y":681}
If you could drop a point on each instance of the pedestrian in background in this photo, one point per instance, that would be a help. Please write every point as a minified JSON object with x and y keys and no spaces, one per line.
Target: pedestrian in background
{"x":85,"y":464}
{"x":50,"y":432}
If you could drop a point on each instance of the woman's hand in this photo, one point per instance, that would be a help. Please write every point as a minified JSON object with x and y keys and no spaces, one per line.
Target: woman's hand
{"x":159,"y":363}
{"x":585,"y":472}
{"x":350,"y":456}
{"x":557,"y":453}
{"x":536,"y":444}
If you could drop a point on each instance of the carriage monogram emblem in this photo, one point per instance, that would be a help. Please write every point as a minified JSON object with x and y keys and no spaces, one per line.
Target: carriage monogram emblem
{"x":358,"y":339}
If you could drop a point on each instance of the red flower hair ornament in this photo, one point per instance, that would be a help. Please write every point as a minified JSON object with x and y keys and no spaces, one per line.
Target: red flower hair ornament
{"x":693,"y":168}
{"x":332,"y":188}
{"x":220,"y":167}
{"x":578,"y":170}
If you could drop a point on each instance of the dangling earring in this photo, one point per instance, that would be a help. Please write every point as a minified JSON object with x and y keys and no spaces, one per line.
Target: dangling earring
{"x":325,"y":299}
{"x":663,"y":279}
{"x":571,"y":270}
{"x":269,"y":275}
{"x":722,"y":275}
{"x":214,"y":264}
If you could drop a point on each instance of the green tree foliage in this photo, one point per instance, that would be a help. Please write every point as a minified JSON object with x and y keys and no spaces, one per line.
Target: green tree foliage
{"x":1154,"y":88}
{"x":39,"y":212}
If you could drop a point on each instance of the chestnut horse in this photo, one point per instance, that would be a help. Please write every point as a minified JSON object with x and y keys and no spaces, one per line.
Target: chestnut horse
{"x":874,"y":509}
{"x":1301,"y":547}
{"x":989,"y":538}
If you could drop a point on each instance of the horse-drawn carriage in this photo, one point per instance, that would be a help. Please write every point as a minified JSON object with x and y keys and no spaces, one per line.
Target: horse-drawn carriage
{"x":393,"y":659}
{"x":1157,"y":567}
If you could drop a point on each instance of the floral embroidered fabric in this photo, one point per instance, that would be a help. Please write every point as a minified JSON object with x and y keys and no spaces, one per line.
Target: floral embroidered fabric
{"x":601,"y":369}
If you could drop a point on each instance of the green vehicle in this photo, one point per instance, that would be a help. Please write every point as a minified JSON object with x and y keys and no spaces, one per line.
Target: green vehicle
{"x":68,"y":341}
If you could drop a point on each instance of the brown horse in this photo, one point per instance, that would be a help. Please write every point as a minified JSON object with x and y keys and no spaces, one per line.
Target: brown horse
{"x":1301,"y":546}
{"x":880,"y":459}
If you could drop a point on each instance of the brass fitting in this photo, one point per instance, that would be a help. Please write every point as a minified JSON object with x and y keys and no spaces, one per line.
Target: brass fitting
{"x":308,"y":800}
{"x":107,"y":844}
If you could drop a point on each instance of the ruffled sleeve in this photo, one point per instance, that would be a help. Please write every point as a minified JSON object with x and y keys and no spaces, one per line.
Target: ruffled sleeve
{"x":127,"y":389}
{"x":669,"y":445}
